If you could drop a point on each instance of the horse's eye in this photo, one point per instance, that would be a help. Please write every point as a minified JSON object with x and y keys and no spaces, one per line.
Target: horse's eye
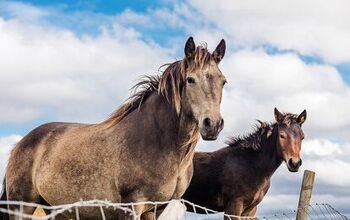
{"x":190,"y":80}
{"x":282,"y":136}
{"x":224,"y":82}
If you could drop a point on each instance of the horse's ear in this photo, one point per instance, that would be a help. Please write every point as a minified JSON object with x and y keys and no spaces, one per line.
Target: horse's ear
{"x":302,"y":117}
{"x":219,"y":52}
{"x":278,"y":116}
{"x":190,"y":48}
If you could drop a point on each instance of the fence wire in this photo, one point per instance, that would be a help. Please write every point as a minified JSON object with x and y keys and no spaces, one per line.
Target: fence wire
{"x":318,"y":211}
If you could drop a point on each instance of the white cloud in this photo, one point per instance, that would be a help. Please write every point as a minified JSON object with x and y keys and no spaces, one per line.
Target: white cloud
{"x":313,"y":27}
{"x":6,"y":145}
{"x":23,"y":11}
{"x":258,"y":82}
{"x":45,"y":68}
{"x":323,"y":147}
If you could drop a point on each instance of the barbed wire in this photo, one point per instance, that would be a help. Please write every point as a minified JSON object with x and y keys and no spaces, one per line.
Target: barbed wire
{"x":318,"y":211}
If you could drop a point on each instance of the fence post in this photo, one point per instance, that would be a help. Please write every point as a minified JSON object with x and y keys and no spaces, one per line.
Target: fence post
{"x":305,"y":195}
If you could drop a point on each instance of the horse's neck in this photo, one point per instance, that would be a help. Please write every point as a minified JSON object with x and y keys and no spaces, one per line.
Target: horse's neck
{"x":268,"y":160}
{"x":160,"y":120}
{"x":181,"y":128}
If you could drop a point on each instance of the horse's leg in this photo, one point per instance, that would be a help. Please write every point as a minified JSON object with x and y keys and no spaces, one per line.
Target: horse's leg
{"x":57,"y":217}
{"x":250,"y":212}
{"x":154,"y":213}
{"x":253,"y":212}
{"x":19,"y":188}
{"x":19,"y":181}
{"x":137,"y":212}
{"x":20,"y":192}
{"x":233,"y":208}
{"x":148,"y":216}
{"x":128,"y":216}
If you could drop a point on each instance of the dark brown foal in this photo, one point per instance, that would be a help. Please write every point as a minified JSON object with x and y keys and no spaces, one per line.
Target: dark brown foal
{"x":236,"y":178}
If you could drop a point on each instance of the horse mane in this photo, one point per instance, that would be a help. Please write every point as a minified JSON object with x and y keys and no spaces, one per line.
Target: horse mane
{"x":169,"y":84}
{"x":254,"y":140}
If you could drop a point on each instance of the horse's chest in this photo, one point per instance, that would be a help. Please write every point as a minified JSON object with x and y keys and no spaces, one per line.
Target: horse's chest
{"x":185,"y":173}
{"x":172,"y":187}
{"x":258,"y":194}
{"x":182,"y":178}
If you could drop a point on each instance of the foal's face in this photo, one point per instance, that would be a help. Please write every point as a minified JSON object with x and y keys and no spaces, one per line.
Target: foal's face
{"x":290,"y":137}
{"x":202,"y":92}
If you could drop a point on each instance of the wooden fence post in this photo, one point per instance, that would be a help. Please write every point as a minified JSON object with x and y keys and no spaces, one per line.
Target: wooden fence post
{"x":305,"y":195}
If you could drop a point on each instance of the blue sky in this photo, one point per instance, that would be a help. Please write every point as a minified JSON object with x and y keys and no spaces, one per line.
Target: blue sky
{"x":75,"y":61}
{"x":108,"y":7}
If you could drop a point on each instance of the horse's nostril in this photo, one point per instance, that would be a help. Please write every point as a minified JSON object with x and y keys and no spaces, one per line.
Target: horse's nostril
{"x":207,"y":122}
{"x":221,"y":122}
{"x":291,"y":163}
{"x":294,"y":165}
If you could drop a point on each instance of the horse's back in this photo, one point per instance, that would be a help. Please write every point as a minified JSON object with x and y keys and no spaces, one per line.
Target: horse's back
{"x":34,"y":137}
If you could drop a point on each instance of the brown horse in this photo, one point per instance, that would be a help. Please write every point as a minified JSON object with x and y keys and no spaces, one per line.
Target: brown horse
{"x":143,"y":152}
{"x":235,"y":179}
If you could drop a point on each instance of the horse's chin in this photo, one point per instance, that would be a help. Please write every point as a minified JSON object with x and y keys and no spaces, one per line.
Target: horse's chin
{"x":209,"y":137}
{"x":293,"y":170}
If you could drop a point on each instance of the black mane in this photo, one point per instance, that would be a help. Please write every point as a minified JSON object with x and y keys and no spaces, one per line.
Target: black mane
{"x":252,"y":140}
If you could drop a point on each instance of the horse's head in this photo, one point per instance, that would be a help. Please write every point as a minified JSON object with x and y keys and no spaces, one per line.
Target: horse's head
{"x":289,"y":138}
{"x":203,"y":85}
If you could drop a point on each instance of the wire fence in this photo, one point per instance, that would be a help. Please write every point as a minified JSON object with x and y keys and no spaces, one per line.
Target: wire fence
{"x":318,"y":211}
{"x":174,"y":210}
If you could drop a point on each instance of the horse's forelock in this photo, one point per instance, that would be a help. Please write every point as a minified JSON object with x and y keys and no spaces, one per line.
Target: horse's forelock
{"x":173,"y":77}
{"x":289,"y":118}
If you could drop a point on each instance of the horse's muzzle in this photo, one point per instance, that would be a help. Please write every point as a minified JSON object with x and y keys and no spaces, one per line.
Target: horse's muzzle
{"x":210,"y":129}
{"x":294,"y":166}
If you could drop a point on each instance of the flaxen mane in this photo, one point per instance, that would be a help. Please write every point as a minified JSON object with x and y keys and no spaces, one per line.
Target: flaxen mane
{"x":254,"y":140}
{"x":169,"y":84}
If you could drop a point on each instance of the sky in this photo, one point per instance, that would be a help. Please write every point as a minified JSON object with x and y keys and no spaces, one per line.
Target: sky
{"x":64,"y":61}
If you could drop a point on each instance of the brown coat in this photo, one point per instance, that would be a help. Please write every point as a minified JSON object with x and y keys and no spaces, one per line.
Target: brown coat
{"x":236,"y":178}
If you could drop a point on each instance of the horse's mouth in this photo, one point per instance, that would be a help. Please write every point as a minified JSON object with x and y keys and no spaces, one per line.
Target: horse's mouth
{"x":210,"y":138}
{"x":293,"y":170}
{"x":209,"y":135}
